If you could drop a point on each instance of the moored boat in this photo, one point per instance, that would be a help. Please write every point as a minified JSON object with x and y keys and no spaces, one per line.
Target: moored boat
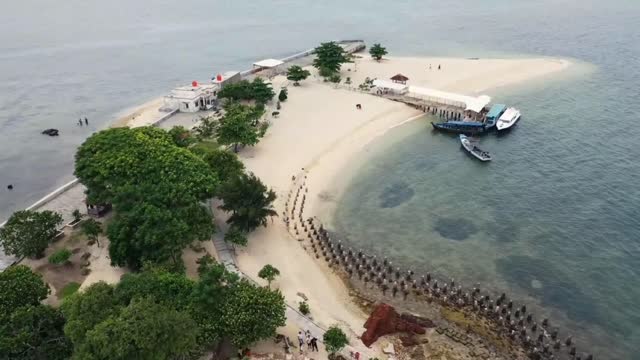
{"x":494,"y":113}
{"x":470,"y":146}
{"x":464,"y":127}
{"x":508,"y":119}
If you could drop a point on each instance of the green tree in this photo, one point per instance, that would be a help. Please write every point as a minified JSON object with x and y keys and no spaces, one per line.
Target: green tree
{"x":269,"y":273}
{"x":225,"y":164}
{"x":92,"y":228}
{"x":296,"y":74}
{"x":156,"y":233}
{"x":249,"y":201}
{"x":335,"y":339}
{"x":206,"y":128}
{"x":34,"y":332}
{"x":60,"y":257}
{"x":142,"y":330}
{"x":329,"y":58}
{"x":237,"y":126}
{"x":19,"y":286}
{"x":283,"y":95}
{"x":236,"y":236}
{"x":304,"y":308}
{"x":27,"y":233}
{"x":164,"y":287}
{"x":181,"y":136}
{"x":377,"y":51}
{"x":84,"y":310}
{"x":252,"y":313}
{"x":141,"y":161}
{"x":262,"y":91}
{"x":77,"y":215}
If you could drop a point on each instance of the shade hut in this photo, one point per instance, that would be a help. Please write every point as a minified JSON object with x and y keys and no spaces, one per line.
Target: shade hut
{"x":400,"y":79}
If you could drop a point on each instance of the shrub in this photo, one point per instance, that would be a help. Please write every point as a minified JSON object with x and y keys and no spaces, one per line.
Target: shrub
{"x":304,"y":308}
{"x":283,"y":95}
{"x":335,"y":339}
{"x":335,"y":78}
{"x":60,"y":257}
{"x":69,"y":289}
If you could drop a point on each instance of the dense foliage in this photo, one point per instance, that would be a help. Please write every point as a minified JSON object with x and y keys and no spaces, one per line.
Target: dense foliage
{"x":329,"y":58}
{"x":156,"y":188}
{"x":296,"y":74}
{"x":377,"y":51}
{"x":257,"y":90}
{"x":236,"y":236}
{"x":238,"y":126}
{"x":335,"y":339}
{"x":160,"y":315}
{"x":248,"y":200}
{"x":181,"y":136}
{"x":33,"y":332}
{"x":225,"y":164}
{"x":19,"y":286}
{"x":27,"y":233}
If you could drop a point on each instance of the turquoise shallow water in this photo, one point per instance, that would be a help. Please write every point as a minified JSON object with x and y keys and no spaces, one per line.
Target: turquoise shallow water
{"x":558,"y":208}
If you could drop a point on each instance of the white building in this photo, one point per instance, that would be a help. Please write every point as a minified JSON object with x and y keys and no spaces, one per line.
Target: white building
{"x":228,"y":77}
{"x":192,"y":98}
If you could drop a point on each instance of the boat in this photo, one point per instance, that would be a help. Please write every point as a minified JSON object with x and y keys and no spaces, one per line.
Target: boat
{"x":509,"y":118}
{"x":464,"y":127}
{"x":469,"y":145}
{"x":494,"y":113}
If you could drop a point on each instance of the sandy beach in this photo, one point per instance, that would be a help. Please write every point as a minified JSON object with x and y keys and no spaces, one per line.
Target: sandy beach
{"x":320,"y":130}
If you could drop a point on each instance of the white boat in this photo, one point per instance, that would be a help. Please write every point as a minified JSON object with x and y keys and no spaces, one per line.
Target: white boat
{"x":509,"y":118}
{"x":469,"y":145}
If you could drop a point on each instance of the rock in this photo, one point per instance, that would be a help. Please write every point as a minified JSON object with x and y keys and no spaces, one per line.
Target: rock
{"x":85,"y":263}
{"x":389,"y":349}
{"x":86,"y":255}
{"x":50,"y":132}
{"x":303,"y":296}
{"x":85,"y":271}
{"x":424,"y":322}
{"x":409,"y":341}
{"x":385,"y":320}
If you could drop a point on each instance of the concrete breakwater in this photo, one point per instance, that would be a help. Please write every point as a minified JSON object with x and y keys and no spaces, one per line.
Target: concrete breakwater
{"x":380,"y":278}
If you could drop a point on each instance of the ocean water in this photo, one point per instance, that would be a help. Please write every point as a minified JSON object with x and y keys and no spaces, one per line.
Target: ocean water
{"x":554,"y":218}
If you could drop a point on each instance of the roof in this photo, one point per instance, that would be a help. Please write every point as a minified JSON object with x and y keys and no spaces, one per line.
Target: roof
{"x":390,"y":85}
{"x":496,"y":110}
{"x":268,"y":63}
{"x":399,"y":77}
{"x":192,"y":92}
{"x":472,"y":103}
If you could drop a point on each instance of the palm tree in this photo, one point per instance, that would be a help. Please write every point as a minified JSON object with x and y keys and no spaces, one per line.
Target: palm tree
{"x":249,"y":201}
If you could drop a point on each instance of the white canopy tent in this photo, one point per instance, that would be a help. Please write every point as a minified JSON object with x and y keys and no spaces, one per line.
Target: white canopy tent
{"x":268,"y":63}
{"x":475,"y":104}
{"x":391,"y":86}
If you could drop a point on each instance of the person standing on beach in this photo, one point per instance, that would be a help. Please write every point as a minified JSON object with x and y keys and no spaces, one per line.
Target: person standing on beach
{"x":438,"y":66}
{"x":80,"y":122}
{"x":86,"y":121}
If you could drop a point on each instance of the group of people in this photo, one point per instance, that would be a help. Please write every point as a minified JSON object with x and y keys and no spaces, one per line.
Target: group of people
{"x":86,"y":122}
{"x":308,"y":339}
{"x":430,"y":66}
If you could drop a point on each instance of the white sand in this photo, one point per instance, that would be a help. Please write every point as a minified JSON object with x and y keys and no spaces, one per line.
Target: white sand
{"x":319,"y":129}
{"x":144,"y":115}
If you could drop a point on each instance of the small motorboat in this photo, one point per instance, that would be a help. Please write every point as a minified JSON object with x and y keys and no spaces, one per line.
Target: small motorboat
{"x":465,"y":127}
{"x":51,"y":132}
{"x":469,"y":145}
{"x":509,"y":118}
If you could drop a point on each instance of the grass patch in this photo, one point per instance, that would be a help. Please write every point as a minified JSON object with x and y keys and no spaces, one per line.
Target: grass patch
{"x":70,"y":289}
{"x":208,"y":144}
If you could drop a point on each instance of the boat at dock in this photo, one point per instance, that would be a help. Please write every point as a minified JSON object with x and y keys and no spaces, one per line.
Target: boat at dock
{"x":508,"y":119}
{"x":494,"y":113}
{"x":469,"y":145}
{"x":461,"y":127}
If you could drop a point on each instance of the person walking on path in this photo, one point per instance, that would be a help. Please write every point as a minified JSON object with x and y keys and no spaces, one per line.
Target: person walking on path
{"x":314,"y":344}
{"x":301,"y":340}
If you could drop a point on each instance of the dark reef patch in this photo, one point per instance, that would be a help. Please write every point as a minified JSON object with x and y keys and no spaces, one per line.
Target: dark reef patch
{"x":455,"y":228}
{"x":395,"y":195}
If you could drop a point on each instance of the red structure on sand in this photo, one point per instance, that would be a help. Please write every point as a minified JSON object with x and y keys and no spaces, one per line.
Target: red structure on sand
{"x":385,"y":320}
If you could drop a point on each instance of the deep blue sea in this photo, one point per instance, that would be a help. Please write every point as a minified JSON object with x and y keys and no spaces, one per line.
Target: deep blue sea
{"x":554,"y":219}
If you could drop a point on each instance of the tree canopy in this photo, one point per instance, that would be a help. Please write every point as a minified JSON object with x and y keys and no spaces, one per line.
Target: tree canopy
{"x":236,"y":236}
{"x":181,"y":136}
{"x":377,"y":51}
{"x":27,"y":233}
{"x":257,"y":90}
{"x":142,"y":330}
{"x":248,"y":200}
{"x":225,"y":164}
{"x":19,"y":286}
{"x":238,"y":126}
{"x":269,"y":273}
{"x":92,"y":228}
{"x":296,"y":74}
{"x":252,"y":313}
{"x":142,"y":158}
{"x":34,"y":332}
{"x":329,"y":58}
{"x":166,"y":288}
{"x":335,"y":339}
